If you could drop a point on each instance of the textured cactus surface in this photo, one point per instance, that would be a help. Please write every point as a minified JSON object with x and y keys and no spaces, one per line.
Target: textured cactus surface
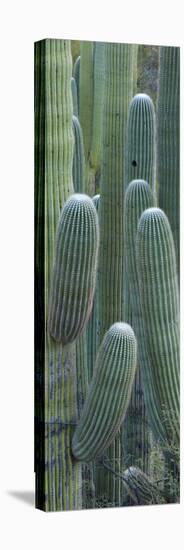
{"x":93,"y":324}
{"x":86,"y":94}
{"x":141,"y":141}
{"x":78,"y":157}
{"x":74,"y":97}
{"x":98,"y":105}
{"x":158,"y":284}
{"x":58,"y":479}
{"x":109,"y":393}
{"x":74,"y":273}
{"x":119,"y":82}
{"x":141,"y":488}
{"x":168,"y":142}
{"x":138,"y":198}
{"x":76,"y":74}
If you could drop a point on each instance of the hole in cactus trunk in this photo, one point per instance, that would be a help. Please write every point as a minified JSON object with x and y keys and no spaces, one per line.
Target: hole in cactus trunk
{"x":134,"y":163}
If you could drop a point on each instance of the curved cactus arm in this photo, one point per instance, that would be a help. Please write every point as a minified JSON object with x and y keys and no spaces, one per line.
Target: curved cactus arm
{"x":78,"y":157}
{"x":141,"y":488}
{"x":138,"y":198}
{"x":141,"y":141}
{"x":158,"y":284}
{"x":108,"y":395}
{"x":168,"y":140}
{"x":74,"y":273}
{"x":74,"y":97}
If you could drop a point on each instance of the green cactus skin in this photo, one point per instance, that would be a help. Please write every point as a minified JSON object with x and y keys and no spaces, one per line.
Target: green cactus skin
{"x":98,"y":105}
{"x":119,"y":83}
{"x":74,"y":97}
{"x":168,"y":148}
{"x":141,"y":141}
{"x":141,"y":488}
{"x":58,"y":479}
{"x":108,"y":395}
{"x":76,"y":74}
{"x":92,"y":327}
{"x":158,"y":285}
{"x":74,"y":273}
{"x":140,"y":164}
{"x":86,"y":94}
{"x":78,"y":157}
{"x":139,"y":197}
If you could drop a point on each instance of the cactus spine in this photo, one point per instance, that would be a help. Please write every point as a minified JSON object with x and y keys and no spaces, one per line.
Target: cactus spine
{"x":78,"y":157}
{"x":156,"y":264}
{"x":74,"y":273}
{"x":58,"y":479}
{"x":108,"y":395}
{"x":168,"y":149}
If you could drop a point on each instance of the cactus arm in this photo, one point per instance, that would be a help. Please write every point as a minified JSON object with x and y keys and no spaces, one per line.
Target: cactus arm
{"x":74,"y":97}
{"x":108,"y":395}
{"x":78,"y":157}
{"x":158,"y":284}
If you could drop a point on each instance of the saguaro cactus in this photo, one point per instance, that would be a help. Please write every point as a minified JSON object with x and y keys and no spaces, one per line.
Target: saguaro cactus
{"x":141,"y":141}
{"x":108,"y":395}
{"x":58,"y":479}
{"x":158,"y":284}
{"x":138,"y":198}
{"x":98,"y":105}
{"x":168,"y":142}
{"x":78,"y":157}
{"x":119,"y":81}
{"x":76,"y":74}
{"x":74,"y":273}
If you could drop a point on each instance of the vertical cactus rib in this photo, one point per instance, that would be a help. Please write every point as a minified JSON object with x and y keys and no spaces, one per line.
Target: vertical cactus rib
{"x":168,"y":141}
{"x":138,"y":198}
{"x":92,"y":327}
{"x":86,"y":94}
{"x":141,"y":141}
{"x":108,"y":395}
{"x":98,"y":105}
{"x":58,"y":479}
{"x":74,"y":96}
{"x":74,"y":273}
{"x":78,"y":157}
{"x":76,"y":75}
{"x":158,"y":284}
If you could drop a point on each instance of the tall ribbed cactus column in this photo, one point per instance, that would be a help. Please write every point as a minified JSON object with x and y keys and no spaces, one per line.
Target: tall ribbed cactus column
{"x":78,"y":157}
{"x":98,"y":105}
{"x":119,"y":79}
{"x":168,"y":148}
{"x":138,"y":198}
{"x":58,"y":479}
{"x":141,"y":141}
{"x":92,"y":331}
{"x":86,"y":106}
{"x":158,"y":284}
{"x":141,"y":164}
